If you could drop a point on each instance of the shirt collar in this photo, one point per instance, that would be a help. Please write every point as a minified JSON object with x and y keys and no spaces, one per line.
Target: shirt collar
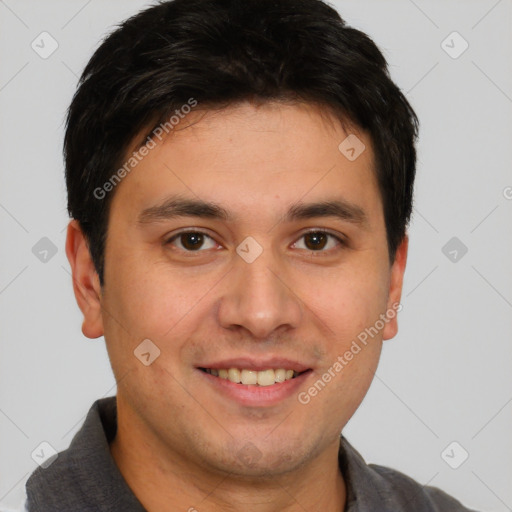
{"x":85,"y":474}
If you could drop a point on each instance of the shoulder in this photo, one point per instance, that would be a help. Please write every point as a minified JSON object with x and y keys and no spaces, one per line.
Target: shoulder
{"x":375,"y":487}
{"x":411,"y":495}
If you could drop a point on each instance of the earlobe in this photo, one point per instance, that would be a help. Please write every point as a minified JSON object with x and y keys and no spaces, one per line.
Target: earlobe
{"x":395,"y":289}
{"x":86,"y":285}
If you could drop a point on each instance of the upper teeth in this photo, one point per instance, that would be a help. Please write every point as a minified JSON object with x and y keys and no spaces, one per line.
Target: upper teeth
{"x":262,"y":378}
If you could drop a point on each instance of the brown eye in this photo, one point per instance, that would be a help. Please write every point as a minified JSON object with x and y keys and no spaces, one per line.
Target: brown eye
{"x":192,"y":241}
{"x":318,"y":241}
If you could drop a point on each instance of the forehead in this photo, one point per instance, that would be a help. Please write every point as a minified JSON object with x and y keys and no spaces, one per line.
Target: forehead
{"x":251,"y":158}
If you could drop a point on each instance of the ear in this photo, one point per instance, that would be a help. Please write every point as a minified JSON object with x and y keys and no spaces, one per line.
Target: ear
{"x":86,"y":283}
{"x":395,"y":289}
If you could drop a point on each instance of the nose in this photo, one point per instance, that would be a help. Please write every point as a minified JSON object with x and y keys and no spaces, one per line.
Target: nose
{"x":258,"y":298}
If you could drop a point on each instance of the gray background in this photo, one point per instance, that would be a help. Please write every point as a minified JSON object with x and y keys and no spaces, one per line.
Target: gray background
{"x":445,"y":377}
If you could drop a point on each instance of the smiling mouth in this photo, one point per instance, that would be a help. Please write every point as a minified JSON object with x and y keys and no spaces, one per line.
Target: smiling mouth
{"x":252,"y":377}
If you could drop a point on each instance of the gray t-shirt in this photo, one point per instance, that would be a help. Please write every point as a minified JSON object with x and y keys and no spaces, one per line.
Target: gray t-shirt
{"x":85,"y":478}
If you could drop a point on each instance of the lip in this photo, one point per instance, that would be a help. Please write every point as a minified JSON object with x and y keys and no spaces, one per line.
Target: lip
{"x":252,"y":395}
{"x":257,"y":365}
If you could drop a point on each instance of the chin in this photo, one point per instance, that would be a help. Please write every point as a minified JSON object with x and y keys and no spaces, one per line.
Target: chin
{"x":260,"y":459}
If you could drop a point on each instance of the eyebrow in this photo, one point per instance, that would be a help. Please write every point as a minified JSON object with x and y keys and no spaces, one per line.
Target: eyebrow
{"x":178,"y":206}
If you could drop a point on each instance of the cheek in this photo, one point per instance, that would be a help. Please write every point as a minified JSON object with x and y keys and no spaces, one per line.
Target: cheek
{"x":156,"y":301}
{"x":349,"y":300}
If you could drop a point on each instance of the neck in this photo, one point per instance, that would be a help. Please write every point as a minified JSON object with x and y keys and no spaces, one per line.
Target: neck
{"x":158,"y":476}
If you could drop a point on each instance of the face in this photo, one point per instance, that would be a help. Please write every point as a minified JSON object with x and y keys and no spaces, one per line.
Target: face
{"x":283,"y":268}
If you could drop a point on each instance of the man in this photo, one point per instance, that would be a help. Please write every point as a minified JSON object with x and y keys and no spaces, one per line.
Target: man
{"x":240,"y":177}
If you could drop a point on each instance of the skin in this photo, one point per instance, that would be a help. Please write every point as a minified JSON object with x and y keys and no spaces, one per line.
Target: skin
{"x":292,"y":301}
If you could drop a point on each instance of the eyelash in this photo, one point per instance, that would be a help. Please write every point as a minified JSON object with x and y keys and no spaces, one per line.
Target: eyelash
{"x":340,"y":240}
